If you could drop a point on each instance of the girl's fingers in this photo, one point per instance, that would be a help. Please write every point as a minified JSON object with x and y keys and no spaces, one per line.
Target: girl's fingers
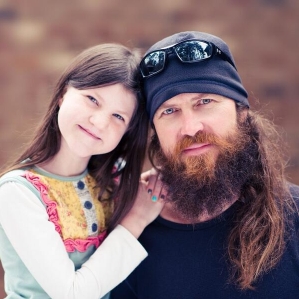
{"x":163,"y":193}
{"x":155,"y":187}
{"x":160,"y":190}
{"x":145,"y":176}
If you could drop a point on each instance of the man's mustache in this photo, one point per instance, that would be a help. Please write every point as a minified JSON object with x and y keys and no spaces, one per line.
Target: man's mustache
{"x":200,"y":137}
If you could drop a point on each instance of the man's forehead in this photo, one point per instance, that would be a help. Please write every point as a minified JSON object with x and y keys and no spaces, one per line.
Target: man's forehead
{"x":188,"y":97}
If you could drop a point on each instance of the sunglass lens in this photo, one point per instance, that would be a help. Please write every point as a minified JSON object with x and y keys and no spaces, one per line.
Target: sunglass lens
{"x":153,"y":63}
{"x":191,"y":51}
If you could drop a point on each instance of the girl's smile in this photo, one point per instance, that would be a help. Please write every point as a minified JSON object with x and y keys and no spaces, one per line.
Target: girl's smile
{"x":89,"y":133}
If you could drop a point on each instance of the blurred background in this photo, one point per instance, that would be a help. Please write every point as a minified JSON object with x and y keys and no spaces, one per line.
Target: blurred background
{"x":39,"y":38}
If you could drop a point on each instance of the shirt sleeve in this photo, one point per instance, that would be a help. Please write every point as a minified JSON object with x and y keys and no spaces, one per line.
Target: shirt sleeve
{"x":25,"y":222}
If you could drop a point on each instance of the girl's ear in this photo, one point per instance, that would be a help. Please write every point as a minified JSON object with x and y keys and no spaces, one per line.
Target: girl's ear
{"x":62,"y":95}
{"x":60,"y":101}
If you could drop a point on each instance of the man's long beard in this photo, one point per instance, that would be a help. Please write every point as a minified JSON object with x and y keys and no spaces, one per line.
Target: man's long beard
{"x":206,"y":184}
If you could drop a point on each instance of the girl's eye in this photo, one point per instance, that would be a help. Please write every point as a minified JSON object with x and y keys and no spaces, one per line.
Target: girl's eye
{"x":206,"y":101}
{"x":119,"y":117}
{"x":93,"y":99}
{"x":168,"y":111}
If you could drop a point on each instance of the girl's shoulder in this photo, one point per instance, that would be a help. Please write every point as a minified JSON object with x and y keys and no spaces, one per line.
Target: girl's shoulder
{"x":17,"y":176}
{"x":13,"y":176}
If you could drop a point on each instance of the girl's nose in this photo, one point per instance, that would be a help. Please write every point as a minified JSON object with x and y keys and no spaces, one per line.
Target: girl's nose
{"x":100,"y":121}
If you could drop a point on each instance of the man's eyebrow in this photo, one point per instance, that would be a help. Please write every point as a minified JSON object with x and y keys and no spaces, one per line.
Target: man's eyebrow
{"x":167,"y":105}
{"x":200,"y":96}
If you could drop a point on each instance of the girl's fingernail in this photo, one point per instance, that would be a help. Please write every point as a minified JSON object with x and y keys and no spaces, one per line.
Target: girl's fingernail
{"x":154,"y":198}
{"x":149,"y":191}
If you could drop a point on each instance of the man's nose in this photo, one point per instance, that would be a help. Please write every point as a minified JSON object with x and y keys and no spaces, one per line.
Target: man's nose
{"x":191,"y":124}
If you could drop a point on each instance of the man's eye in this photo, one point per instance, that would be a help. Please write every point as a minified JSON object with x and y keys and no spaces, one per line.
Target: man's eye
{"x":168,"y":111}
{"x":93,"y":99}
{"x":119,"y":117}
{"x":206,"y":101}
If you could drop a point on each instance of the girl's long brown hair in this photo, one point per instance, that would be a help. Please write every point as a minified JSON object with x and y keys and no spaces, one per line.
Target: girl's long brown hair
{"x":97,"y":66}
{"x":257,"y":239}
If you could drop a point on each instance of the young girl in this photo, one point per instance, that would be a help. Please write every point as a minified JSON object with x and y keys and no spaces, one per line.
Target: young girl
{"x":56,"y":202}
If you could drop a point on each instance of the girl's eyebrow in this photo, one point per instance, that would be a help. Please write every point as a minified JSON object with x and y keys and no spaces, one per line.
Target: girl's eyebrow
{"x":122,"y":112}
{"x":100,"y":99}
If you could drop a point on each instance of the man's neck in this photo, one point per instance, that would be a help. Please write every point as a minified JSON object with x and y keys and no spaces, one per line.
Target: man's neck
{"x":171,"y":214}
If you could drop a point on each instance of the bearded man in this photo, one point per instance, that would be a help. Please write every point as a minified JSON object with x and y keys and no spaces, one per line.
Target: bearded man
{"x":230,"y":225}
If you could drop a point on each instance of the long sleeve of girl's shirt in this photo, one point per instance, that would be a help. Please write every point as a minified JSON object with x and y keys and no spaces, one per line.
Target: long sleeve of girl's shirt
{"x":25,"y":223}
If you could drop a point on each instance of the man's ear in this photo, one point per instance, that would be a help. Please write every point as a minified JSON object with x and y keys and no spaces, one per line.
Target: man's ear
{"x":243,"y":114}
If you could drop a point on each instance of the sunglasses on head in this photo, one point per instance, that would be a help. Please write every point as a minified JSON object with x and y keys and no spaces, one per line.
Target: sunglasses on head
{"x":189,"y":51}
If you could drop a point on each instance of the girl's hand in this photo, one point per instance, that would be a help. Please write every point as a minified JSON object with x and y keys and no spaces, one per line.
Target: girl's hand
{"x":148,"y":204}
